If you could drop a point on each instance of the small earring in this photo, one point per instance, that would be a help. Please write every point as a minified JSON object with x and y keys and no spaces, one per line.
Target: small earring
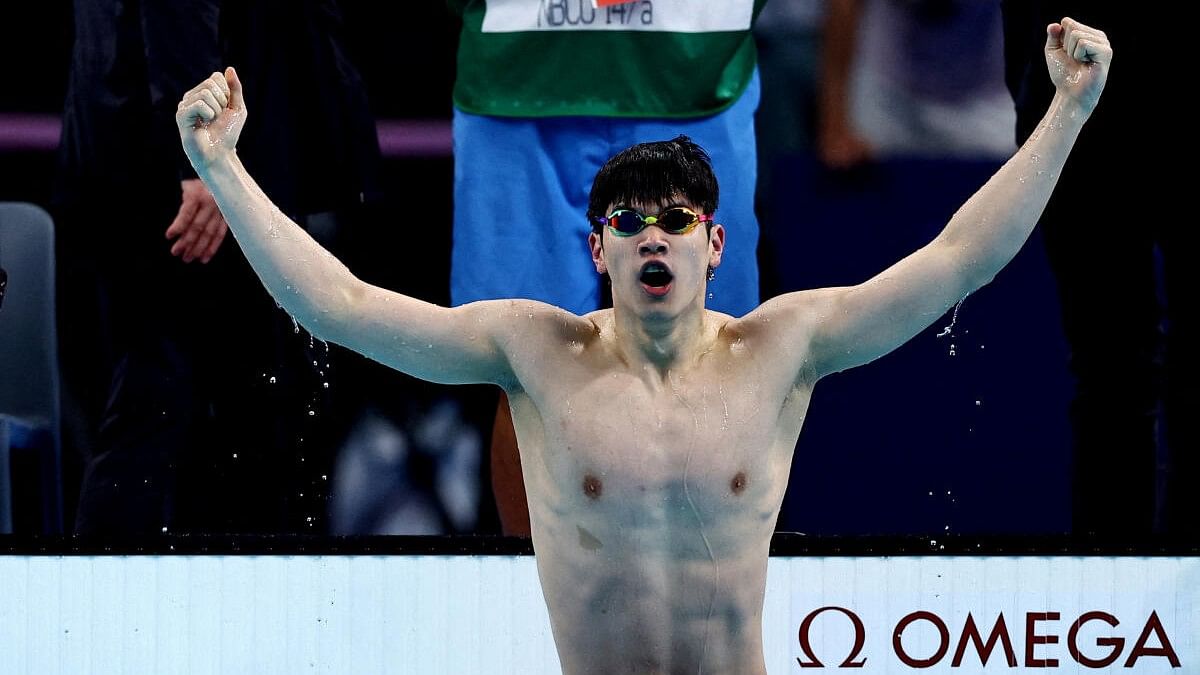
{"x":712,"y":274}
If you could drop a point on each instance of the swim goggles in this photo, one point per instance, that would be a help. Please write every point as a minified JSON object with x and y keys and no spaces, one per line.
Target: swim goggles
{"x":675,"y":220}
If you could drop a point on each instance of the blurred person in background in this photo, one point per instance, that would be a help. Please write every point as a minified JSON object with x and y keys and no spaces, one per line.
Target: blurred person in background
{"x":182,"y":422}
{"x":888,"y":90}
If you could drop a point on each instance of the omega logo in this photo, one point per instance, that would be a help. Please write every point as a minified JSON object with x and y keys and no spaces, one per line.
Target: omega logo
{"x":1105,"y":652}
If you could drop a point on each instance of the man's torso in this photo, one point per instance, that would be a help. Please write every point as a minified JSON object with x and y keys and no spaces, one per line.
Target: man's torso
{"x":653,"y":498}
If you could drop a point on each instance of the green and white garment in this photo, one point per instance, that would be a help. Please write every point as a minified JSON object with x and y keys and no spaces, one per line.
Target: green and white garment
{"x":641,"y":58}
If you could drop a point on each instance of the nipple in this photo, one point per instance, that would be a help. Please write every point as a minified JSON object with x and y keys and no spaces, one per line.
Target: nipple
{"x":592,"y":487}
{"x":738,"y":484}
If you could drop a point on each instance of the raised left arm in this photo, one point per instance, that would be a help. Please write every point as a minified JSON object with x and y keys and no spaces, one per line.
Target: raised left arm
{"x":848,"y":326}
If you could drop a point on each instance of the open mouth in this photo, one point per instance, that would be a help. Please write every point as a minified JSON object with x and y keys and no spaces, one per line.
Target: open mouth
{"x":656,"y":278}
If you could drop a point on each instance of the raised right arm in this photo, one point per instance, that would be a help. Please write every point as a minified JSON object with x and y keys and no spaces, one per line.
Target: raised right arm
{"x":448,"y":345}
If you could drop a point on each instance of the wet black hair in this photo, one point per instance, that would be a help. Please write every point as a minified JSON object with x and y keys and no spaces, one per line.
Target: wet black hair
{"x":654,"y":173}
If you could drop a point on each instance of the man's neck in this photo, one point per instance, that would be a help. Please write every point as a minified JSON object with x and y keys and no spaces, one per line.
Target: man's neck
{"x":662,"y":343}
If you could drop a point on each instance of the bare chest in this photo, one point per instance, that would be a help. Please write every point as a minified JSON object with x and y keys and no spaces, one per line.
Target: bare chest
{"x":696,"y":450}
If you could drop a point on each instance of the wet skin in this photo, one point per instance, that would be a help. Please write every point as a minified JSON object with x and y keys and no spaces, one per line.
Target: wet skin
{"x":655,"y":442}
{"x":653,"y":495}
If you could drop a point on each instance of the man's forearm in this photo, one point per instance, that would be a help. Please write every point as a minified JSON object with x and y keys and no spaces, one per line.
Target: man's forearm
{"x":304,"y":278}
{"x":989,"y":230}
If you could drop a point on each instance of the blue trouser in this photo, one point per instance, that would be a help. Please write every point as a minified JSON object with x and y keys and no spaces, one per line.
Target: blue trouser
{"x":521,"y":192}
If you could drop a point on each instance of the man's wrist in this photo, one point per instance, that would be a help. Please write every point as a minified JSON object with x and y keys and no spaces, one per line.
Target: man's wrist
{"x":222,"y":166}
{"x":1068,"y":112}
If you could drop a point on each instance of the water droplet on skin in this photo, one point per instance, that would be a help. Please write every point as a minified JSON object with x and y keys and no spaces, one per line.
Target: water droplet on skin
{"x":1035,"y":158}
{"x":1021,"y":179}
{"x":724,"y":406}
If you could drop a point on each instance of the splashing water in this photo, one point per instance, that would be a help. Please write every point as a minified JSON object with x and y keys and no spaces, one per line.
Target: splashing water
{"x":953,"y":320}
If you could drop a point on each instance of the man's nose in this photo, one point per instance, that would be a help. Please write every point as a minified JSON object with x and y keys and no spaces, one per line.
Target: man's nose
{"x":655,"y":242}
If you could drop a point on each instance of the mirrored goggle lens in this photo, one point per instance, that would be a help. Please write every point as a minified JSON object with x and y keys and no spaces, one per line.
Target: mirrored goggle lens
{"x":626,"y":222}
{"x":676,"y":220}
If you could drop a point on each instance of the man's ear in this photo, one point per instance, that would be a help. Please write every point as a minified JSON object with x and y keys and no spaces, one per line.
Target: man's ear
{"x":716,"y":240}
{"x":596,"y":243}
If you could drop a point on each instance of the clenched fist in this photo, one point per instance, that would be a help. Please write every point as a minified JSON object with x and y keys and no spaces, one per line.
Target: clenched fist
{"x":1078,"y":57}
{"x":210,"y":118}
